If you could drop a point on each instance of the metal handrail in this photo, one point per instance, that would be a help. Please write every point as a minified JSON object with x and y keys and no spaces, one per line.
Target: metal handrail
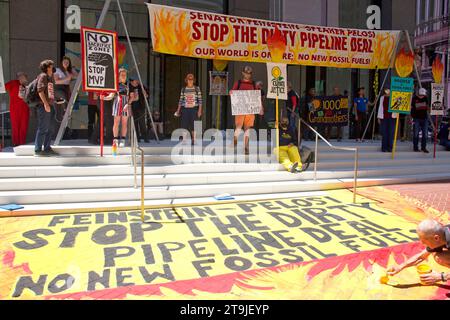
{"x":134,"y":148}
{"x":316,"y":153}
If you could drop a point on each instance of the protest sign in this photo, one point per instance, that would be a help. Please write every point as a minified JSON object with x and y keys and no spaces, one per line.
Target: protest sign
{"x":99,"y":60}
{"x":329,"y":111}
{"x":245,"y":102}
{"x":401,"y":95}
{"x":277,"y":81}
{"x":218,"y":83}
{"x":437,"y":99}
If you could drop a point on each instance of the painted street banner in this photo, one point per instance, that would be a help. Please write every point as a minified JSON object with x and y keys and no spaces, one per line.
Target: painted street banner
{"x":218,"y":83}
{"x":2,"y":78}
{"x":437,"y":99}
{"x":401,"y":95}
{"x":277,"y":81}
{"x":245,"y":102}
{"x":99,"y":60}
{"x":216,"y":36}
{"x":329,"y":111}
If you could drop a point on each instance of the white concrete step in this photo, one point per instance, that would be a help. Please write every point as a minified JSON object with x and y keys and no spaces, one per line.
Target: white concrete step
{"x":203,"y":190}
{"x":123,"y":181}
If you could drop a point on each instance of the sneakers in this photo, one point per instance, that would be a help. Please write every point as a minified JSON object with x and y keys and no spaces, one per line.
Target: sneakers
{"x":121,"y":143}
{"x":425,"y":150}
{"x":416,"y":150}
{"x":293,"y":167}
{"x":46,"y":153}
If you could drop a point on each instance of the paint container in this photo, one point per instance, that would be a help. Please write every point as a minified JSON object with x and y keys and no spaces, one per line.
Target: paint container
{"x":423,"y":269}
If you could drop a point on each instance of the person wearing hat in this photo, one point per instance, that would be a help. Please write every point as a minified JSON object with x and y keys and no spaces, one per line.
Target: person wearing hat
{"x":386,"y":121}
{"x":245,"y":121}
{"x":419,"y":113}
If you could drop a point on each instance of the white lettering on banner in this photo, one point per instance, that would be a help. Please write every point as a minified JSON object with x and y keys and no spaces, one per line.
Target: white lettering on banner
{"x":374,"y":20}
{"x":73,"y":17}
{"x":245,"y":102}
{"x":2,"y":79}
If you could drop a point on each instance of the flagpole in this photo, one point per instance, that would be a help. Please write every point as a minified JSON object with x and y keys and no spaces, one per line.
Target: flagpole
{"x":277,"y":131}
{"x":395,"y":136}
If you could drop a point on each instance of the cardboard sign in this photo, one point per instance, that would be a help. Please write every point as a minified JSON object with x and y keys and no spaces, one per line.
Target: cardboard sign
{"x":99,"y":60}
{"x":2,"y":79}
{"x":437,"y":99}
{"x":277,"y":81}
{"x":245,"y":102}
{"x":401,"y":95}
{"x":329,"y":111}
{"x":218,"y":83}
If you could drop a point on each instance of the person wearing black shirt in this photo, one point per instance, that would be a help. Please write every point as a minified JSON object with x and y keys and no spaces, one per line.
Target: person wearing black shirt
{"x":139,"y":112}
{"x":436,"y":238}
{"x":419,"y":113}
{"x":289,"y":155}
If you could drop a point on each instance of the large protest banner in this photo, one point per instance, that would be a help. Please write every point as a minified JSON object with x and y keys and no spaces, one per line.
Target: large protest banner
{"x":329,"y":111}
{"x":99,"y":60}
{"x":216,"y":36}
{"x":245,"y":102}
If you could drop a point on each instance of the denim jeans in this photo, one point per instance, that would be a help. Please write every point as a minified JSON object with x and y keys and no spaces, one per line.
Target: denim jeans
{"x":387,"y":131}
{"x":44,"y":128}
{"x":420,"y":125}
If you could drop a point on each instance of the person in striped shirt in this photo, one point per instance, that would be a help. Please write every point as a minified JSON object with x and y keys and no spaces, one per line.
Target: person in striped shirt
{"x":190,"y":105}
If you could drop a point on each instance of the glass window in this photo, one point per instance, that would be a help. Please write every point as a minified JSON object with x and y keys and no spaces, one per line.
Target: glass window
{"x":88,"y":11}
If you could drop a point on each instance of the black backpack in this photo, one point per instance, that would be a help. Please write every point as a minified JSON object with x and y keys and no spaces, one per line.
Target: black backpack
{"x":31,"y":96}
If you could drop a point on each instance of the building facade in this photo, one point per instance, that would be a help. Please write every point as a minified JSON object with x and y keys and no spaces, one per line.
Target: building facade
{"x":31,"y":31}
{"x":432,"y":39}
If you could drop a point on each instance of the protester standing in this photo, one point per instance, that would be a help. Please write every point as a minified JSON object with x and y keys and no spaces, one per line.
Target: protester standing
{"x":360,"y":105}
{"x":64,"y":74}
{"x":386,"y":120}
{"x":291,"y":105}
{"x":419,"y":113}
{"x":190,"y":105}
{"x":93,"y":117}
{"x":139,"y":109}
{"x":245,"y":121}
{"x":45,"y":109}
{"x":18,"y":110}
{"x":121,"y":109}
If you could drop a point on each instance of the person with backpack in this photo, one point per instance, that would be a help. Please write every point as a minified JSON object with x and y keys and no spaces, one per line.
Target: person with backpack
{"x":45,"y":89}
{"x":18,"y":109}
{"x":190,"y":105}
{"x":245,"y":121}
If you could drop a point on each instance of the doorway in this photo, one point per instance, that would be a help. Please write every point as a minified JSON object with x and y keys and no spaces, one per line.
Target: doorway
{"x":175,"y":70}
